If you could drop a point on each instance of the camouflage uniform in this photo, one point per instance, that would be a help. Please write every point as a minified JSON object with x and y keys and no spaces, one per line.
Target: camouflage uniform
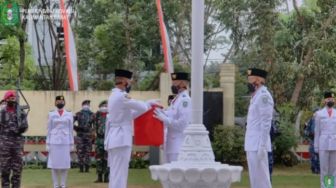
{"x":84,"y":130}
{"x":11,"y":147}
{"x":274,"y":132}
{"x":101,"y":154}
{"x":314,"y":157}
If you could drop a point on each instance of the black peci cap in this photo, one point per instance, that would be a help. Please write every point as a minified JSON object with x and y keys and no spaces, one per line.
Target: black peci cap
{"x":328,"y":94}
{"x":256,"y":72}
{"x":123,"y":73}
{"x":180,"y":76}
{"x":59,"y":97}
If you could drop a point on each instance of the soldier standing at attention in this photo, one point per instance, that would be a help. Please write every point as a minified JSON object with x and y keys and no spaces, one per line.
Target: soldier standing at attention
{"x":176,"y":117}
{"x":60,"y":142}
{"x":257,"y":137}
{"x":325,"y":140}
{"x":11,"y":141}
{"x":84,"y":129}
{"x":101,"y":154}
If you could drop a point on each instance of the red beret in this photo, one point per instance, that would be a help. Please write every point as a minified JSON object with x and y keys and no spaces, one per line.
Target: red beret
{"x":9,"y":94}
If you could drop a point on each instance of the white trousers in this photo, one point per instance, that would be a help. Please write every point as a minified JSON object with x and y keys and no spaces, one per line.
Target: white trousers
{"x":258,"y":170}
{"x":118,"y":159}
{"x":327,"y":164}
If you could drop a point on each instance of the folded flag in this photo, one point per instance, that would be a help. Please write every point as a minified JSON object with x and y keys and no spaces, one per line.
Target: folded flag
{"x":148,"y":130}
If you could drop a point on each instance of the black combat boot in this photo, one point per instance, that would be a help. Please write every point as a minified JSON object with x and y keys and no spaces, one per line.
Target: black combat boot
{"x":100,"y":178}
{"x":106,"y":178}
{"x":81,"y":168}
{"x":87,"y":167}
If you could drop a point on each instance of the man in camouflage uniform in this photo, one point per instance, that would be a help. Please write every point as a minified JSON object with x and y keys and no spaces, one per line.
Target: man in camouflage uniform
{"x":309,"y":134}
{"x":84,"y":129}
{"x":101,"y":154}
{"x":11,"y":142}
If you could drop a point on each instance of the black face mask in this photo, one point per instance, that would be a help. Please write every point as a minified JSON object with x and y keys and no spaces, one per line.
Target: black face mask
{"x":128,"y":88}
{"x":59,"y":105}
{"x":330,"y":104}
{"x":174,"y":89}
{"x":11,"y":103}
{"x":251,"y":88}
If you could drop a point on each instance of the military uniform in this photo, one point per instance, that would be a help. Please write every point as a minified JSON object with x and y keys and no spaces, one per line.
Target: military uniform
{"x":257,"y":137}
{"x":11,"y":147}
{"x":314,"y":157}
{"x":101,"y":154}
{"x":85,"y":119}
{"x":325,"y":141}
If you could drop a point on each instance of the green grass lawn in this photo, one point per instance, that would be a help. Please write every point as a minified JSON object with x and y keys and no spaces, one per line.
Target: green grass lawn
{"x":283,"y":177}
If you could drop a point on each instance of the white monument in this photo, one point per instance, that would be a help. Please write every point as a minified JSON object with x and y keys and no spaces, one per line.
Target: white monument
{"x":196,"y":166}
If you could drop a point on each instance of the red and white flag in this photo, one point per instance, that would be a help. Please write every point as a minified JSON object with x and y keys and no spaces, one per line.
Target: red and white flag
{"x":70,"y":49}
{"x":168,"y":60}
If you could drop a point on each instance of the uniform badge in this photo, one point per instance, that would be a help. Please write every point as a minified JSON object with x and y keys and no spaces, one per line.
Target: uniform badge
{"x":185,"y":104}
{"x":265,"y":99}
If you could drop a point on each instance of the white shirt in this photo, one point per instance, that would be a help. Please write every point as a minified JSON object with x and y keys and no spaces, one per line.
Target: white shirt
{"x":60,"y":128}
{"x":180,"y":113}
{"x":122,"y":111}
{"x":325,"y":130}
{"x":259,"y":120}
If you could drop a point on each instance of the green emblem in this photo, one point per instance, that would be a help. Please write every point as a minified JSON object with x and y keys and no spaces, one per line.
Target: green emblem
{"x":329,"y":181}
{"x":185,"y":104}
{"x":9,"y":13}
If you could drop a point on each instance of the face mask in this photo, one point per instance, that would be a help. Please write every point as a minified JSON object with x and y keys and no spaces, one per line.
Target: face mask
{"x":60,"y":105}
{"x":128,"y":88}
{"x":330,"y":104}
{"x":86,"y":107}
{"x":251,"y":88}
{"x":11,"y":103}
{"x":174,"y":89}
{"x":103,"y":109}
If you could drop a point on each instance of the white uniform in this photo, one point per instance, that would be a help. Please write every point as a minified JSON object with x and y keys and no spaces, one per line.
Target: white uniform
{"x":325,"y":142}
{"x":118,"y":134}
{"x":257,"y":137}
{"x":180,"y":114}
{"x":59,"y":139}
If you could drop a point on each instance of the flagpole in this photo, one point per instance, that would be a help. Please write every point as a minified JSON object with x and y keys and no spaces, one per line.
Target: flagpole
{"x":197,"y":50}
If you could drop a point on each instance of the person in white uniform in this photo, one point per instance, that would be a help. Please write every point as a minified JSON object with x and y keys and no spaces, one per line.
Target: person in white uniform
{"x":325,"y":140}
{"x":60,"y":142}
{"x":176,"y":117}
{"x":257,"y":137}
{"x":122,"y":111}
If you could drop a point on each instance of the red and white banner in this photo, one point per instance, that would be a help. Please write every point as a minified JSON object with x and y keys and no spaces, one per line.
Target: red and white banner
{"x":70,"y":49}
{"x":168,"y":60}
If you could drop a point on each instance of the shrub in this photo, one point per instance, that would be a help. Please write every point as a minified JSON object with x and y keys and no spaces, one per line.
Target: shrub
{"x":228,"y":144}
{"x":287,"y":139}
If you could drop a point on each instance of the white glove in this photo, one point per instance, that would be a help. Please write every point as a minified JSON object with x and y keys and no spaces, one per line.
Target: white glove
{"x":154,"y":102}
{"x":47,"y":147}
{"x":72,"y":147}
{"x":160,"y":115}
{"x":262,"y":153}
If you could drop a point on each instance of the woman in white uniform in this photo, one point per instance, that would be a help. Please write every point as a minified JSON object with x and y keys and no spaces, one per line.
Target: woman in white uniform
{"x":60,"y":142}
